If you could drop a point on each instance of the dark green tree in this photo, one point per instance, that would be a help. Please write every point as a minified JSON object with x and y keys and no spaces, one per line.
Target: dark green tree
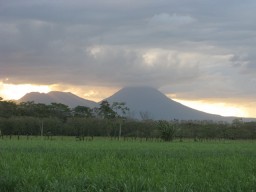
{"x":60,"y":110}
{"x":7,"y":108}
{"x":26,"y":108}
{"x":105,"y":110}
{"x":120,"y":110}
{"x":167,"y":130}
{"x":82,"y":111}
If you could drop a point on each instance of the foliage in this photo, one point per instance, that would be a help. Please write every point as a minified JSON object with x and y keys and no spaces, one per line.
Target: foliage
{"x":7,"y":108}
{"x":120,"y":109}
{"x":167,"y":129}
{"x":105,"y":110}
{"x":29,"y":118}
{"x":82,"y":111}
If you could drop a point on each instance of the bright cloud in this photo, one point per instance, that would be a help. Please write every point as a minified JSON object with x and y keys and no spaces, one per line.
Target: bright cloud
{"x":14,"y":92}
{"x":216,"y":108}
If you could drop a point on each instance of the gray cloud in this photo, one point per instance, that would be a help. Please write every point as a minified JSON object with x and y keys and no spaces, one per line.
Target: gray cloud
{"x":197,"y":48}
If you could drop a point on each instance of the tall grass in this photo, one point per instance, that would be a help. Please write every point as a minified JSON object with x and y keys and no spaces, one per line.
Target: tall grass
{"x":104,"y":165}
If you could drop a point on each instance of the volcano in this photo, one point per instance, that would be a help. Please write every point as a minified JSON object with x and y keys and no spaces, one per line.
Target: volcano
{"x":149,"y":103}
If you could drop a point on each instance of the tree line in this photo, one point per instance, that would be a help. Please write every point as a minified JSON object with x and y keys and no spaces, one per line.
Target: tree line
{"x":111,"y":120}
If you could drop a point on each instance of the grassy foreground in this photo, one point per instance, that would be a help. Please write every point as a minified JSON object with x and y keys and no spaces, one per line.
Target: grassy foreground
{"x":105,"y":165}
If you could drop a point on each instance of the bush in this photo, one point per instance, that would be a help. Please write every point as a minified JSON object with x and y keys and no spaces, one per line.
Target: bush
{"x":167,"y":129}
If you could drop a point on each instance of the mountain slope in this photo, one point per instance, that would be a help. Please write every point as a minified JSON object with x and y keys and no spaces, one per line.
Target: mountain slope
{"x":58,"y":97}
{"x":147,"y":101}
{"x":144,"y":102}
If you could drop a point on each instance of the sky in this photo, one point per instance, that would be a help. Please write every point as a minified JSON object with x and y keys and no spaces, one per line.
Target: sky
{"x":198,"y":52}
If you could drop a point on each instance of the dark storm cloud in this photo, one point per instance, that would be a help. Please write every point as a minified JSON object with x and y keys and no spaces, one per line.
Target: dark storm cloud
{"x":191,"y":47}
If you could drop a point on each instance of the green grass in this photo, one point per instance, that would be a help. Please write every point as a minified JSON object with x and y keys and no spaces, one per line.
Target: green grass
{"x":105,"y":165}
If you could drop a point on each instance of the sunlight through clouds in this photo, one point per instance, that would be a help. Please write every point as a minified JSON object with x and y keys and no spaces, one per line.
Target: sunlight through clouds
{"x":14,"y":92}
{"x":93,"y":93}
{"x":222,"y":109}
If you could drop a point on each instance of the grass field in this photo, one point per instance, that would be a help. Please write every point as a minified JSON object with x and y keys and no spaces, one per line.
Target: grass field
{"x":105,"y":165}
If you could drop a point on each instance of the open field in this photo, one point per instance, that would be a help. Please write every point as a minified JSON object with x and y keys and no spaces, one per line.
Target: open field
{"x":110,"y":165}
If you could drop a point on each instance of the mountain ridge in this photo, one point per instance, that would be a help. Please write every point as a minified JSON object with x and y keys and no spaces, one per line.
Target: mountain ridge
{"x":144,"y":102}
{"x":66,"y":98}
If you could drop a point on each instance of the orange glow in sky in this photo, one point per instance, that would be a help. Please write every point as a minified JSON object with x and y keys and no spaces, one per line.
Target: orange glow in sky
{"x":218,"y":108}
{"x":14,"y":92}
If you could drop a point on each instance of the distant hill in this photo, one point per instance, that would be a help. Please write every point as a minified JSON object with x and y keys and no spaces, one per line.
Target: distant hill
{"x":58,"y":97}
{"x":147,"y":102}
